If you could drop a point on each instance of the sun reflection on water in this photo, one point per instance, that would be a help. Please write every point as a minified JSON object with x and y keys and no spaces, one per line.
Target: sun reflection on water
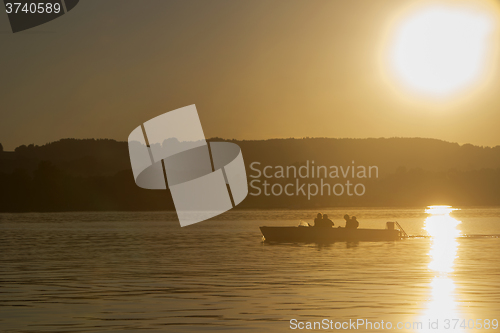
{"x":444,"y":232}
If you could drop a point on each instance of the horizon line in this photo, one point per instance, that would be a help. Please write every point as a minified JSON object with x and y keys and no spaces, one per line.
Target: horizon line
{"x":268,"y":139}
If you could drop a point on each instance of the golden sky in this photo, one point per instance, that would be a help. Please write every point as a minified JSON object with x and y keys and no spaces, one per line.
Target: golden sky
{"x":255,"y":70}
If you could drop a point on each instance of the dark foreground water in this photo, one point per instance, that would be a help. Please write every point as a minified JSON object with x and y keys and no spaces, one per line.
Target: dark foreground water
{"x":141,"y":272}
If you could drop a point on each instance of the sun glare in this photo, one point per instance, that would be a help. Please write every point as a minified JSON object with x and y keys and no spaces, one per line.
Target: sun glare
{"x":441,"y":49}
{"x":443,"y":230}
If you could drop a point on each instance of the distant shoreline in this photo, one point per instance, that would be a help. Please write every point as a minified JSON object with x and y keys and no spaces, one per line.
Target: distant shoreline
{"x":319,"y":209}
{"x":73,"y":175}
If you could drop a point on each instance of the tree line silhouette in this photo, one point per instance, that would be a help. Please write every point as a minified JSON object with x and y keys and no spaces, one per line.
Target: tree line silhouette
{"x":95,"y":175}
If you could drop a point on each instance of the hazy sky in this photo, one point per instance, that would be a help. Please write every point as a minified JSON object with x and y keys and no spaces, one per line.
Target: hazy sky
{"x":255,"y":70}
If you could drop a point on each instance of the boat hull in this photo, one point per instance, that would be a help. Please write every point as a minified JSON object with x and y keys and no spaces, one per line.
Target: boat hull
{"x":326,"y":235}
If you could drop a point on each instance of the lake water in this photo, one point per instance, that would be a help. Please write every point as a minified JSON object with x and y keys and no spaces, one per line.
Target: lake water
{"x":141,"y":272}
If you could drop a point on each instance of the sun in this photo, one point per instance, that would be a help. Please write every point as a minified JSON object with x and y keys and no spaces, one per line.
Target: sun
{"x":441,"y":49}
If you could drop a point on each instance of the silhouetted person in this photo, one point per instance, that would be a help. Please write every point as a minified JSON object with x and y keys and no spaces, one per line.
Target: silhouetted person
{"x":327,"y":222}
{"x":354,"y":223}
{"x":347,"y":221}
{"x":318,"y":221}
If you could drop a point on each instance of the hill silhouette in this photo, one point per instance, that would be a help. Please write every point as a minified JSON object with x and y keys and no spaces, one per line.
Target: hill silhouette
{"x":95,"y":174}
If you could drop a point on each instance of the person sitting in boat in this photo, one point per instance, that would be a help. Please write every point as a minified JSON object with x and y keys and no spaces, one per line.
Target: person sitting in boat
{"x":327,"y":222}
{"x":347,"y":221}
{"x":318,"y":221}
{"x":354,"y":223}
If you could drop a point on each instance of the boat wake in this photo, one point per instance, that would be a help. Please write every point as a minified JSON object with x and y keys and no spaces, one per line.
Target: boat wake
{"x":461,"y":236}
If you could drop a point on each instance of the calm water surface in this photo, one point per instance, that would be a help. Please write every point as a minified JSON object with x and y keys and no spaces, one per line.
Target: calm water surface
{"x":141,"y":272}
